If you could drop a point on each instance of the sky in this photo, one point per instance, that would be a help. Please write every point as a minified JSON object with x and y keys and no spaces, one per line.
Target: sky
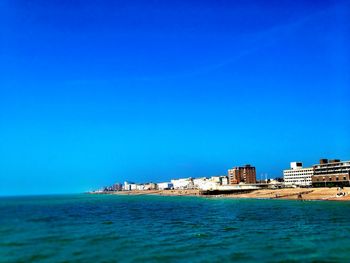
{"x":98,"y":92}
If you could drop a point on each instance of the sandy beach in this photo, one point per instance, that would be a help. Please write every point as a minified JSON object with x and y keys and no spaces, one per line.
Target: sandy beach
{"x":286,"y":193}
{"x":296,"y":194}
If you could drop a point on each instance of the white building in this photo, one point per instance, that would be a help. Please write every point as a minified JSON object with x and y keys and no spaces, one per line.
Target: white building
{"x":216,"y":179}
{"x":198,"y":183}
{"x":165,"y":186}
{"x":140,"y":187}
{"x":224,"y":180}
{"x":297,"y":175}
{"x":183,"y":183}
{"x":127,"y":186}
{"x":150,"y":186}
{"x":211,"y":183}
{"x":221,"y":180}
{"x":202,"y":183}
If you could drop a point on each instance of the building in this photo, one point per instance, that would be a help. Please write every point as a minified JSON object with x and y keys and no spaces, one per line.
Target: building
{"x":165,"y":186}
{"x":224,"y":180}
{"x":221,"y":180}
{"x":117,"y":187}
{"x":129,"y":186}
{"x":199,"y":183}
{"x":140,"y":187}
{"x":297,"y":175}
{"x":331,"y":173}
{"x":183,"y":183}
{"x":205,"y":183}
{"x":242,"y":174}
{"x":150,"y":186}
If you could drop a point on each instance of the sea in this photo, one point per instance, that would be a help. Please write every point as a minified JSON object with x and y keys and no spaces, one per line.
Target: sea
{"x":115,"y":228}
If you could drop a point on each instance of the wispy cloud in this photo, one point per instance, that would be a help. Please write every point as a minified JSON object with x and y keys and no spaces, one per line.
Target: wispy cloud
{"x":253,"y":43}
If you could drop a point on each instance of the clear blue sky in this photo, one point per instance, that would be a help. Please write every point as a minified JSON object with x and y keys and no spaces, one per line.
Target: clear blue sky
{"x":94,"y":92}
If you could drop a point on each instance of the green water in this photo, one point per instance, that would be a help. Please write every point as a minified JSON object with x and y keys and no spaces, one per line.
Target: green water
{"x":96,"y":228}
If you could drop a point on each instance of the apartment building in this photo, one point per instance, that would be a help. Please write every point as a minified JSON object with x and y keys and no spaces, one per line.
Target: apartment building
{"x":242,"y":174}
{"x":331,"y":173}
{"x":297,"y":175}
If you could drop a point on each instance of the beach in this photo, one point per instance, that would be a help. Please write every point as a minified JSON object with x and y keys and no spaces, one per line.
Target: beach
{"x":285,"y":193}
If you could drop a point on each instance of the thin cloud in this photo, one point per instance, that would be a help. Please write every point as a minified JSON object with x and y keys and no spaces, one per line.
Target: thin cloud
{"x":258,"y":41}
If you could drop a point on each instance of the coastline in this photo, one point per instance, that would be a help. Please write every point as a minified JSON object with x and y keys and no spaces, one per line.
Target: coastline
{"x":304,"y":194}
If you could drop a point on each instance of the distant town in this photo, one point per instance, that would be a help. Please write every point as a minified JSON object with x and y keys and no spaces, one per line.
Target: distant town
{"x":327,"y":173}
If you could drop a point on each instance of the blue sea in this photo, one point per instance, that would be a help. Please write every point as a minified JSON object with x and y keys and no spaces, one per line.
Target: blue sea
{"x":105,"y":228}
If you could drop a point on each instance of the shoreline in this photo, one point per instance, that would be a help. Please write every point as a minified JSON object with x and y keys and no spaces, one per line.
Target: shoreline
{"x":302,"y":194}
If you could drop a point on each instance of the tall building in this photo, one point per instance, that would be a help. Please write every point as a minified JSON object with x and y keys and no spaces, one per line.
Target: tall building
{"x":297,"y":175}
{"x":331,"y":173}
{"x":242,"y":174}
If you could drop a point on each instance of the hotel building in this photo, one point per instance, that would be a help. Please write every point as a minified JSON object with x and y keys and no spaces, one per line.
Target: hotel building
{"x":331,"y":173}
{"x":242,"y":174}
{"x":297,"y":175}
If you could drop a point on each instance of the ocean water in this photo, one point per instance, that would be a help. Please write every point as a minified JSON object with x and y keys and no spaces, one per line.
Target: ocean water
{"x":100,"y":228}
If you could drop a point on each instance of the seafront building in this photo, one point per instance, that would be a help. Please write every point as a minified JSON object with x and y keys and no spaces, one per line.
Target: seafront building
{"x":150,"y":186}
{"x":220,"y":180}
{"x":127,"y":186}
{"x":202,"y":183}
{"x":140,"y":187}
{"x":331,"y":173}
{"x":242,"y":174}
{"x":165,"y":186}
{"x":327,"y":173}
{"x":205,"y":183}
{"x":297,"y":175}
{"x":183,"y":183}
